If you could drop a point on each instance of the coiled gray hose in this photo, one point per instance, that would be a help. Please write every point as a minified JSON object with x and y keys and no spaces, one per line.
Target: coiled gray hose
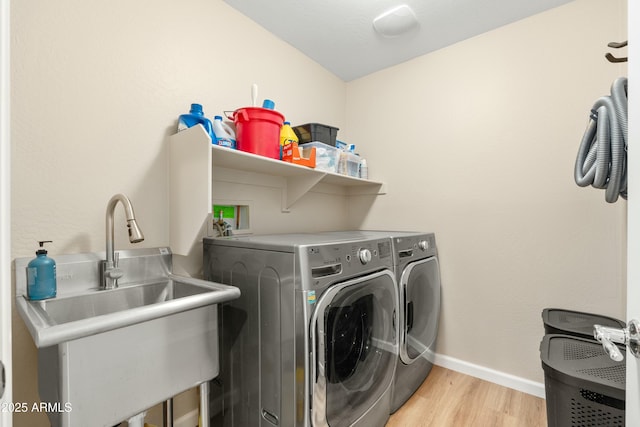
{"x":602,"y":157}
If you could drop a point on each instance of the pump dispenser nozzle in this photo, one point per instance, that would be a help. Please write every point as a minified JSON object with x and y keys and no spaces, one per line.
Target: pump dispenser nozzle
{"x":42,"y":250}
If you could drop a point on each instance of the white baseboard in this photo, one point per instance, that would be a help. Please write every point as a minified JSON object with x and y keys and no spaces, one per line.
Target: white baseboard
{"x":491,"y":375}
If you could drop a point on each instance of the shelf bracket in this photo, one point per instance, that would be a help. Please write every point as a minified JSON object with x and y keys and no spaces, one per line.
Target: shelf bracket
{"x":298,"y":186}
{"x":373,"y":189}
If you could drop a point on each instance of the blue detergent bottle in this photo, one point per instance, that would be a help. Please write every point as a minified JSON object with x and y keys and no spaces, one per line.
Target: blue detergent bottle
{"x":41,"y":275}
{"x":196,"y":116}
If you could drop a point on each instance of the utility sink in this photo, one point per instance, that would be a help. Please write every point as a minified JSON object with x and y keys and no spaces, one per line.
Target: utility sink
{"x":57,"y":311}
{"x":107,"y":355}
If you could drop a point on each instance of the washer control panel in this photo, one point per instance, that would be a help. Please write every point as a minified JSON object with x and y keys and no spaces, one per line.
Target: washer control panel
{"x":347,"y":258}
{"x":364,"y":255}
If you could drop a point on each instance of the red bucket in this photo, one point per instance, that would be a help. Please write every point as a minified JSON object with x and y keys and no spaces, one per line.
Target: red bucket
{"x":258,"y":131}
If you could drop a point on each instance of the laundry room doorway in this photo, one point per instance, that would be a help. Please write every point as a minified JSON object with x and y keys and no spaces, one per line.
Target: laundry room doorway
{"x":5,"y":240}
{"x":633,"y":211}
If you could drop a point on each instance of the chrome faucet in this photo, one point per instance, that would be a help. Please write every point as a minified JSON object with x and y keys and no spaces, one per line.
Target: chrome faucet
{"x":110,"y":273}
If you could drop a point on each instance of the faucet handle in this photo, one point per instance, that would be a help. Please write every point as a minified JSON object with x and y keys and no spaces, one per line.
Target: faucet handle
{"x":109,"y":274}
{"x":116,"y":272}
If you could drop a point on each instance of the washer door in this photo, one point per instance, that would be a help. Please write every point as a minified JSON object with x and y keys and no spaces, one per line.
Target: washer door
{"x":353,"y":332}
{"x":419,"y":309}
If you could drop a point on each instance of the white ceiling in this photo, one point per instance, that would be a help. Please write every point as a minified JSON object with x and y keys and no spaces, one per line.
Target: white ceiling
{"x":339,"y":34}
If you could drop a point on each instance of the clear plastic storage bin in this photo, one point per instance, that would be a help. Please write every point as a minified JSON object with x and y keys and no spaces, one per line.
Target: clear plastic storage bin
{"x":349,"y":164}
{"x":327,"y":157}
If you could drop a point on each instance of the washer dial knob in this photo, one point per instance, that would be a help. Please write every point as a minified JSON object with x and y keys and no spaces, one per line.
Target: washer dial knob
{"x":423,"y":244}
{"x":364,"y":255}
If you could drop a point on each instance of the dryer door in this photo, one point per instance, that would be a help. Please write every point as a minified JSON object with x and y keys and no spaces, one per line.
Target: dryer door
{"x":419,"y":309}
{"x":353,"y":332}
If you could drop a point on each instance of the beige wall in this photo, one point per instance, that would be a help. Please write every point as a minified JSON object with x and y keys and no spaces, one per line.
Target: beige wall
{"x":483,"y":137}
{"x":96,"y":88}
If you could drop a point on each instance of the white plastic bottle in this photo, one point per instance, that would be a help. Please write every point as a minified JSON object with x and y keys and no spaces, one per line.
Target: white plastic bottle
{"x":364,"y":169}
{"x":225,"y":136}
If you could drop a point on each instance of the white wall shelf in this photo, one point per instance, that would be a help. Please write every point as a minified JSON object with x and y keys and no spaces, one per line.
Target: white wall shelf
{"x":192,"y":158}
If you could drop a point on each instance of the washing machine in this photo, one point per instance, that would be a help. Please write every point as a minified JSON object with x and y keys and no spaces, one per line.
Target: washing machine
{"x":313,"y":338}
{"x":418,"y":276}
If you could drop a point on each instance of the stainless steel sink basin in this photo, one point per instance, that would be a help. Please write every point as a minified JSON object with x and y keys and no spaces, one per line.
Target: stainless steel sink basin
{"x":100,"y":303}
{"x":65,"y":318}
{"x":147,"y":291}
{"x":111,"y":354}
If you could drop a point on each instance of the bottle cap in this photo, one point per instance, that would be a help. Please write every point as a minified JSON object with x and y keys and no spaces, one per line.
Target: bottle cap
{"x":217,"y":118}
{"x":196,"y":108}
{"x":267,"y":103}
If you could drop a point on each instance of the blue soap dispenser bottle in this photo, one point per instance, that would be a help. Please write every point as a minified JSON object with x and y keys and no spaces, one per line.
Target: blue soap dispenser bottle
{"x":41,"y":275}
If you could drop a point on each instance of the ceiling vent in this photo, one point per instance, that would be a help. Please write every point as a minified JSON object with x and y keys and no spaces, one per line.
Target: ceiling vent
{"x":396,"y":21}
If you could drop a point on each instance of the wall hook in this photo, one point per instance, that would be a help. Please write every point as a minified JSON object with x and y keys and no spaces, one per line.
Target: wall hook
{"x":616,"y":45}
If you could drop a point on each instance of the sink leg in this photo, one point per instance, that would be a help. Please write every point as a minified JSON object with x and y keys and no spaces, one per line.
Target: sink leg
{"x":137,"y":420}
{"x":204,"y":404}
{"x":167,"y":407}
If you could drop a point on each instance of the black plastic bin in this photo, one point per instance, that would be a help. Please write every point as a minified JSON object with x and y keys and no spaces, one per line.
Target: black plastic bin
{"x":311,"y":132}
{"x":583,"y":385}
{"x":575,"y":323}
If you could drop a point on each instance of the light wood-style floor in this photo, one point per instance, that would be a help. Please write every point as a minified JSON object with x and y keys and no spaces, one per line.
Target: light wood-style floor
{"x":450,"y":399}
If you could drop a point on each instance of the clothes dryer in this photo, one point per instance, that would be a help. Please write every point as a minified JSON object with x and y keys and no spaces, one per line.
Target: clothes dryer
{"x":418,"y":276}
{"x":312,"y":340}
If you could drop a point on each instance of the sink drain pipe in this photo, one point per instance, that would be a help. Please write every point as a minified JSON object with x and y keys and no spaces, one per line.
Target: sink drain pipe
{"x":138,"y":420}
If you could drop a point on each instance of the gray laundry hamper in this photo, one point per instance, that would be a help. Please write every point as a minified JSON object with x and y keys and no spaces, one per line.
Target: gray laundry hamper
{"x":575,"y":323}
{"x":583,"y":385}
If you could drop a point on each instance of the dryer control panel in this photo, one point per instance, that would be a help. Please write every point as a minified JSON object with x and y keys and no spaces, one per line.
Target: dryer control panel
{"x":415,"y":247}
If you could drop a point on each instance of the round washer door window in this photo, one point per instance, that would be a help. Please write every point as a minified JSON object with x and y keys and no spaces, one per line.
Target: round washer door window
{"x":354,"y":333}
